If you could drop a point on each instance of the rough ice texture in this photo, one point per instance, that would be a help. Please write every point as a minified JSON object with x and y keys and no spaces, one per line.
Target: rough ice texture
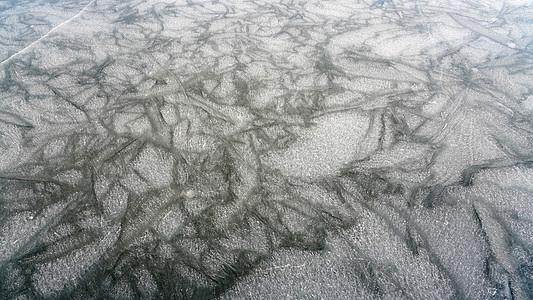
{"x":266,"y":149}
{"x":324,"y":148}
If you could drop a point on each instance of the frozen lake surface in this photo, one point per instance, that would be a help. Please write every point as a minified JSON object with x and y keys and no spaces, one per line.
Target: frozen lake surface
{"x":266,"y":149}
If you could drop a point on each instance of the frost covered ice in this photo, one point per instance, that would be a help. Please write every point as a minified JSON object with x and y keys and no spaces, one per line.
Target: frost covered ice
{"x":266,"y":149}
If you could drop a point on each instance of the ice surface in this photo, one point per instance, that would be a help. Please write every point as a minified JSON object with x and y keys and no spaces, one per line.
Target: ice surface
{"x":237,"y":149}
{"x":324,"y":148}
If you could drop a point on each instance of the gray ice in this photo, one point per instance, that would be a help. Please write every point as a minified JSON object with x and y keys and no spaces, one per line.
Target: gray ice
{"x":235,"y":149}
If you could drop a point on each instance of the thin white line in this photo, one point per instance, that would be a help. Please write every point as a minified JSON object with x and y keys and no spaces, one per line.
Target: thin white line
{"x":47,"y":34}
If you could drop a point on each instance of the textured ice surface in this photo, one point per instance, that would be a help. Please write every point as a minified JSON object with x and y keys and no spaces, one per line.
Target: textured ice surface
{"x":266,"y":149}
{"x":323,"y":149}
